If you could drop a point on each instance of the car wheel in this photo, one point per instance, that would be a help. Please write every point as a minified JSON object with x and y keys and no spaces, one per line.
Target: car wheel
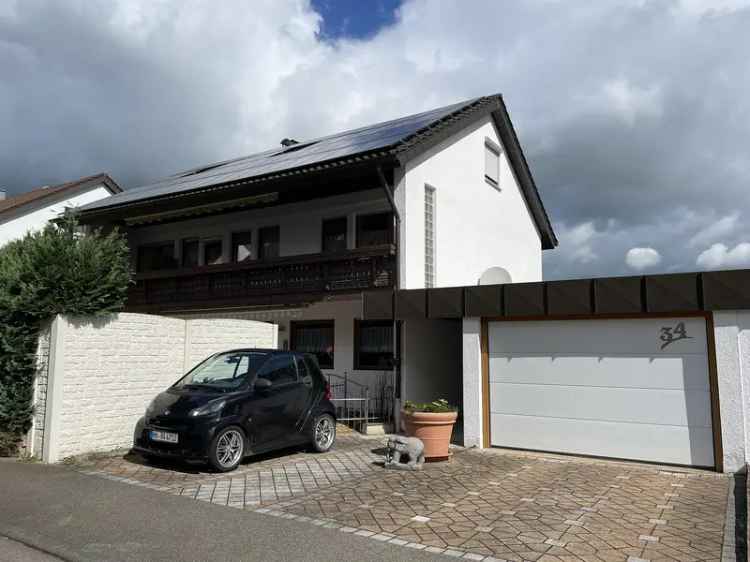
{"x":323,"y":433}
{"x":227,"y":449}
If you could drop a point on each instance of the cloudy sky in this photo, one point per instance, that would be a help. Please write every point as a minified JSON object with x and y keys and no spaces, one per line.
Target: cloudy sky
{"x":634,"y":115}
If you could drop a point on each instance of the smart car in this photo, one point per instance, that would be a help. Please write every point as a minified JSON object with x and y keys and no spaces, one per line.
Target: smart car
{"x":239,"y":403}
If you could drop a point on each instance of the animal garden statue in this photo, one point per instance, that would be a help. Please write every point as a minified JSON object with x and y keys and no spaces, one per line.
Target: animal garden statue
{"x":405,"y":453}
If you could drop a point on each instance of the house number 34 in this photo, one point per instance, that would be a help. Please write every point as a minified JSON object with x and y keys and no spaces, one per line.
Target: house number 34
{"x":669,"y":334}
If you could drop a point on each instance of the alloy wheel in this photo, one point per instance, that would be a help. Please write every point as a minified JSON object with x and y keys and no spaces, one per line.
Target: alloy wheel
{"x":324,"y":433}
{"x":229,"y":448}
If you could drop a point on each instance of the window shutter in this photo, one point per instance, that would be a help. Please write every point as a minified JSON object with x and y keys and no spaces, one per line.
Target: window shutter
{"x":492,"y":162}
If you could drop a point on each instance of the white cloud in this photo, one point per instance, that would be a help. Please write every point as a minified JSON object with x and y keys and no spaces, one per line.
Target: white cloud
{"x":721,"y":256}
{"x":642,"y":258}
{"x":702,"y":7}
{"x":630,"y":101}
{"x":715,"y":231}
{"x":578,"y":242}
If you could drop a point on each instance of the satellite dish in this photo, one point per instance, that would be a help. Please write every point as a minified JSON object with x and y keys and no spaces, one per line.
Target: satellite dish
{"x":495,"y":276}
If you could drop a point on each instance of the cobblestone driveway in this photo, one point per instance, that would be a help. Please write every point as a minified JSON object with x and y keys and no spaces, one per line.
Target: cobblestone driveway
{"x":482,"y":505}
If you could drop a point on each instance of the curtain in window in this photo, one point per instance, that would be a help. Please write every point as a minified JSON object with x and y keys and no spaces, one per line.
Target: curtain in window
{"x":376,"y":339}
{"x":313,"y":339}
{"x":316,"y":339}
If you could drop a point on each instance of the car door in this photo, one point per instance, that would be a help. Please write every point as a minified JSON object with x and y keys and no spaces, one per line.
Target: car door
{"x":307,"y":394}
{"x":276,"y":408}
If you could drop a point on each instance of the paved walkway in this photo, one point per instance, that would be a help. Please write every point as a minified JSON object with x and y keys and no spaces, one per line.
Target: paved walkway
{"x":491,"y":505}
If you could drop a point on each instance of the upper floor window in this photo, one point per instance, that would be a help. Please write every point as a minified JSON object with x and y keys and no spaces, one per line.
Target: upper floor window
{"x":268,"y":242}
{"x":374,"y":230}
{"x":242,"y":246}
{"x":492,"y":162}
{"x":153,"y":257}
{"x":334,"y":235}
{"x":190,"y":252}
{"x":212,"y":252}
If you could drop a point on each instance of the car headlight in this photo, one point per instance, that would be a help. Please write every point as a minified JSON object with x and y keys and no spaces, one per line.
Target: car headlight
{"x":208,"y":409}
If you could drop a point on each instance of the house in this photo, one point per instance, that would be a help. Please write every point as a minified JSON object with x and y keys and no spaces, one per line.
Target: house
{"x":295,"y":234}
{"x":32,"y":210}
{"x":407,"y":256}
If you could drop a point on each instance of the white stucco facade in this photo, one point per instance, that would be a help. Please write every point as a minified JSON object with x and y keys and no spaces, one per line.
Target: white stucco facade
{"x":477,"y":225}
{"x":36,"y":215}
{"x":732,"y":338}
{"x":471,"y":357}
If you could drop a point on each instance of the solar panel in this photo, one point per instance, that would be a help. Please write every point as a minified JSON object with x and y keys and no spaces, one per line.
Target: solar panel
{"x":340,"y":145}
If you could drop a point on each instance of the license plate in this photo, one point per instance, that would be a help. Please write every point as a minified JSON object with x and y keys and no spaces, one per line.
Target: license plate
{"x":165,"y":436}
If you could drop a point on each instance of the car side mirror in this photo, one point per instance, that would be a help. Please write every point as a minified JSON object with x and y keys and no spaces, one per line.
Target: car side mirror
{"x":262,"y":384}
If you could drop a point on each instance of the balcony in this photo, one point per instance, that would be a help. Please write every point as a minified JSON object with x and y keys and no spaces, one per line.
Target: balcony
{"x":286,"y":280}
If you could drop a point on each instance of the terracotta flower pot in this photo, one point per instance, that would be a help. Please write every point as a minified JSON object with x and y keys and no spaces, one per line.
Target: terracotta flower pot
{"x":434,"y":429}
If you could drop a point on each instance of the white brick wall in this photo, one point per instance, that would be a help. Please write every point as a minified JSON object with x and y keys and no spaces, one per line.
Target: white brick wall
{"x":103,"y":373}
{"x":208,"y":335}
{"x":36,"y":435}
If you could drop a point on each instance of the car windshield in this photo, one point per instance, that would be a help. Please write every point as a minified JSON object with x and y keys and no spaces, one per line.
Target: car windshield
{"x":224,"y":371}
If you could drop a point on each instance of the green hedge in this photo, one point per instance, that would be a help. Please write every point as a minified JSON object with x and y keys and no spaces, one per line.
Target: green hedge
{"x":59,"y":270}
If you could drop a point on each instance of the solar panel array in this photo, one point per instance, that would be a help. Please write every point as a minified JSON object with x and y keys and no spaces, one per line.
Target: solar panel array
{"x":333,"y":147}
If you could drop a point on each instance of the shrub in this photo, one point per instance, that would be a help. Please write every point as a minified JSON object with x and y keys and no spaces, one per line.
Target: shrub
{"x":438,"y":406}
{"x":59,"y":270}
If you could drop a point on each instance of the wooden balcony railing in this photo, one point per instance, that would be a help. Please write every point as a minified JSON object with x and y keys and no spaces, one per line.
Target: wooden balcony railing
{"x":265,"y":282}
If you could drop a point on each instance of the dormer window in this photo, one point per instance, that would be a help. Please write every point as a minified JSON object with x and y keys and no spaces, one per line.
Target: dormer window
{"x":492,"y":163}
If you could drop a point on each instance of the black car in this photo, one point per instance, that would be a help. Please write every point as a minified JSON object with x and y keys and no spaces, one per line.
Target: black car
{"x":239,"y":403}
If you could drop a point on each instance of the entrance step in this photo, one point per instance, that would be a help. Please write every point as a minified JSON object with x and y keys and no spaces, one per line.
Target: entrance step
{"x":378,"y":428}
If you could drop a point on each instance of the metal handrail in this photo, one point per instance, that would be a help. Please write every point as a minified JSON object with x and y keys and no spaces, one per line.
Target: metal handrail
{"x":357,"y":407}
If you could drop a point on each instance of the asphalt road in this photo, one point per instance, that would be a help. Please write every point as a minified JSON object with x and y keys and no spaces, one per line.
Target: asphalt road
{"x":78,"y":517}
{"x":14,"y":551}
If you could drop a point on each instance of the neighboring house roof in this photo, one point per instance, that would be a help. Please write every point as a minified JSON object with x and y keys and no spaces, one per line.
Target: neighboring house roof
{"x":398,"y":140}
{"x":12,"y":205}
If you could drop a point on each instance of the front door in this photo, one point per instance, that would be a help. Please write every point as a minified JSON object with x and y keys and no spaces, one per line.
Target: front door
{"x":276,"y":409}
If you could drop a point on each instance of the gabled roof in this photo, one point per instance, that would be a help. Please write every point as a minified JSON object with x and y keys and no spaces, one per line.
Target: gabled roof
{"x":39,"y":194}
{"x":396,"y":141}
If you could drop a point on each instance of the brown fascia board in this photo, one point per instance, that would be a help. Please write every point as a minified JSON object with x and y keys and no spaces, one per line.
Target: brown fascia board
{"x":494,"y":106}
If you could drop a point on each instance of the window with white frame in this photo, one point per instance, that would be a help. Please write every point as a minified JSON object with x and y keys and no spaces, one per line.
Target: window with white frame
{"x":429,"y":236}
{"x":492,"y":162}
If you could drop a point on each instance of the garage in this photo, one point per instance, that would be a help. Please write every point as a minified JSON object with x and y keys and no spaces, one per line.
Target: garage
{"x":629,"y":388}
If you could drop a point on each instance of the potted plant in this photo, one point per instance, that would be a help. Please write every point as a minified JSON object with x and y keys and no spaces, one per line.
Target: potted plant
{"x":432,"y":422}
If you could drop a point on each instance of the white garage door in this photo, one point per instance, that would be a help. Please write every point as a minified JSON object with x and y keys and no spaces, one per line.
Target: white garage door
{"x":631,"y":389}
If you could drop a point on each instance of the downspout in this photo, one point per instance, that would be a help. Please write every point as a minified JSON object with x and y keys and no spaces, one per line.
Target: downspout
{"x":389,"y":191}
{"x":397,"y":220}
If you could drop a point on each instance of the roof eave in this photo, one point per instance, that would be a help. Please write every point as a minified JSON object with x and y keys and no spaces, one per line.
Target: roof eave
{"x":379,"y":156}
{"x":523,"y":173}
